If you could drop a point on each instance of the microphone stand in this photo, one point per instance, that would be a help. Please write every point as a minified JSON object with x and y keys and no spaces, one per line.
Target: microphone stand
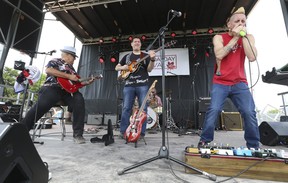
{"x":194,"y":95}
{"x":31,"y":54}
{"x":164,"y":152}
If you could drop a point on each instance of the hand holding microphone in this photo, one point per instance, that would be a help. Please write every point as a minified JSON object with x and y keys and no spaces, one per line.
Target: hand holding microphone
{"x":239,"y":31}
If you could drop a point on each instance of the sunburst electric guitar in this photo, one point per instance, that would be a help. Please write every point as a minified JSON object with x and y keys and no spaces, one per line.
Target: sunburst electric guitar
{"x":73,"y":86}
{"x":133,"y":65}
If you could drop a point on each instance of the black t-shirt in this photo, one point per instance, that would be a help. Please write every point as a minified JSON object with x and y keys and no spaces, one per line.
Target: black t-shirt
{"x":140,"y":76}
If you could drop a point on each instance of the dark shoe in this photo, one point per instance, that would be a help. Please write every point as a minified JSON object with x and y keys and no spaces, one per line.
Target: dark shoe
{"x":79,"y":139}
{"x":202,"y":144}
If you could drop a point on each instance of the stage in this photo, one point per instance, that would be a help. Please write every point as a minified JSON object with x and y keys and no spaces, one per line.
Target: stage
{"x":94,"y":162}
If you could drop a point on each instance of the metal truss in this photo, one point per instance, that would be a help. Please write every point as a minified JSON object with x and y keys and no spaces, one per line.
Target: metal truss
{"x":64,"y":5}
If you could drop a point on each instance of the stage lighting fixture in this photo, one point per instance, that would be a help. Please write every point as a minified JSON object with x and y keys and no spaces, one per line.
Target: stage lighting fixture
{"x":143,"y":37}
{"x":114,"y":40}
{"x":130,"y":38}
{"x":101,"y":41}
{"x":173,"y":34}
{"x":101,"y":58}
{"x":113,"y":58}
{"x":194,"y":32}
{"x":210,"y":31}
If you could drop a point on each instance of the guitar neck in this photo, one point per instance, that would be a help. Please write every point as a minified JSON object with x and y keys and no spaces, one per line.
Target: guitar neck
{"x":84,"y":79}
{"x":158,"y":49}
{"x":146,"y":56}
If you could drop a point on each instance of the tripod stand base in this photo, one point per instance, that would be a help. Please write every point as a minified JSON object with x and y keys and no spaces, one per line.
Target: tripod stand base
{"x":164,"y":153}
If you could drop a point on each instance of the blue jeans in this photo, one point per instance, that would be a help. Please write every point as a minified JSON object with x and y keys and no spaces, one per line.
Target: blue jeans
{"x":129,"y":94}
{"x":242,"y":99}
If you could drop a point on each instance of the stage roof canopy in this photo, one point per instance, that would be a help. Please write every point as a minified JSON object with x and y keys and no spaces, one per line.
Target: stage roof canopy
{"x":92,"y":20}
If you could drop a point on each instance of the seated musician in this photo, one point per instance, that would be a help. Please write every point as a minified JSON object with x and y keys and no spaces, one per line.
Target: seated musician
{"x":154,"y":100}
{"x":155,"y":103}
{"x":51,"y":93}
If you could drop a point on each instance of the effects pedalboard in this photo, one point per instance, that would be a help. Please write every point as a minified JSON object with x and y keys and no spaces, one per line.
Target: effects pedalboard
{"x":208,"y":150}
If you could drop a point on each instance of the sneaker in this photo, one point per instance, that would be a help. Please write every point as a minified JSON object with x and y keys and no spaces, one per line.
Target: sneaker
{"x":79,"y":140}
{"x":202,"y":144}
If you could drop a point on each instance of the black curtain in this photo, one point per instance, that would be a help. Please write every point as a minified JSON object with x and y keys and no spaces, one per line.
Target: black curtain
{"x":105,"y":95}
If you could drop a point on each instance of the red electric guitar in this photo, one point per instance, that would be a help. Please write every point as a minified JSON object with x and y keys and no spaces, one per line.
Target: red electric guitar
{"x":137,"y":119}
{"x":73,"y":86}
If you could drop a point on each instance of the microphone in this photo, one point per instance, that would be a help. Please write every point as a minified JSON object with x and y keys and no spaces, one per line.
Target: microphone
{"x":177,"y":13}
{"x":51,"y":52}
{"x":242,"y":33}
{"x":197,"y":64}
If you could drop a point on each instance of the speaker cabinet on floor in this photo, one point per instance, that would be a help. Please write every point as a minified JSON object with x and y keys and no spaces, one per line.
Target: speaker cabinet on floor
{"x":19,"y":159}
{"x":201,"y":118}
{"x":273,"y":133}
{"x":231,"y":121}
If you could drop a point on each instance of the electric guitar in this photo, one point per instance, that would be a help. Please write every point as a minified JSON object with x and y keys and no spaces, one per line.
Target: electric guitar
{"x":133,"y":65}
{"x":137,"y":119}
{"x":73,"y":86}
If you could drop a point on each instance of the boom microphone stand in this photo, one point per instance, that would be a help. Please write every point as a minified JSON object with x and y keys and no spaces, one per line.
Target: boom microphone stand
{"x":164,"y":152}
{"x":31,"y":55}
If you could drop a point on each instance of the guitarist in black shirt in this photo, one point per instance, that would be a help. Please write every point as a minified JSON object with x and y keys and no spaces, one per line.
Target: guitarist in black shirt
{"x":51,"y":93}
{"x":136,"y":81}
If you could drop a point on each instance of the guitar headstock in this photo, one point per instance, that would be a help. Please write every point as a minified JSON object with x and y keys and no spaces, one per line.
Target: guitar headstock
{"x":153,"y":85}
{"x":98,"y":76}
{"x":171,"y":43}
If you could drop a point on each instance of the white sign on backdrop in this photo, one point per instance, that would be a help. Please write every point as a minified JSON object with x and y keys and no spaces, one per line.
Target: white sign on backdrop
{"x":176,"y":62}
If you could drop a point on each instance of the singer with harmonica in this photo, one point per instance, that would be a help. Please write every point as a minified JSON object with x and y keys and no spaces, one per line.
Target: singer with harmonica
{"x":230,"y":50}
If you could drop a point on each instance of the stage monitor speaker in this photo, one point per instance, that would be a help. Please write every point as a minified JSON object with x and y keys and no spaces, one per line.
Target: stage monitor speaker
{"x":231,"y":121}
{"x":273,"y":133}
{"x":19,"y":159}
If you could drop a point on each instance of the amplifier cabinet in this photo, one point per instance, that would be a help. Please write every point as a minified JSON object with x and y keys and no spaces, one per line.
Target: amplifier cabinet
{"x":203,"y":104}
{"x":95,"y":119}
{"x":201,"y":118}
{"x":231,"y":121}
{"x":112,"y":117}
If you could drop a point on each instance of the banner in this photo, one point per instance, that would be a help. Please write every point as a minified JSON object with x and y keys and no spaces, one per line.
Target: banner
{"x":176,"y":62}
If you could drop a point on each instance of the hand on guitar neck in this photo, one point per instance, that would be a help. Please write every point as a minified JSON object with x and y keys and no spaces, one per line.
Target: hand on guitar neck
{"x":72,"y":86}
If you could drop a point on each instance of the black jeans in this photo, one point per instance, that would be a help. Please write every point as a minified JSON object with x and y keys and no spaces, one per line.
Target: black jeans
{"x":49,"y":96}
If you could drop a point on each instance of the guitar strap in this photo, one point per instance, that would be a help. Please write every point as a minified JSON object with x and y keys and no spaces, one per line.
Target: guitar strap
{"x":141,"y":56}
{"x":128,"y":61}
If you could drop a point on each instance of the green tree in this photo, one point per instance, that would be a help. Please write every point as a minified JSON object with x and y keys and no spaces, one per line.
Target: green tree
{"x":10,"y":75}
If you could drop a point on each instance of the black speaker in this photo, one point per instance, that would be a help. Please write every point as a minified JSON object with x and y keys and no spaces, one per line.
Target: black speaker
{"x":19,"y":159}
{"x":273,"y":133}
{"x":201,"y":118}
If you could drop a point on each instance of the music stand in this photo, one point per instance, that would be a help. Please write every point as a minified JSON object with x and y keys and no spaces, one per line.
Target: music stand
{"x":164,"y":152}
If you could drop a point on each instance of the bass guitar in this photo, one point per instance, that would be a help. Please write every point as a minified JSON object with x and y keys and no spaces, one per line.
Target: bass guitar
{"x":133,"y":65}
{"x":73,"y":86}
{"x":137,"y":119}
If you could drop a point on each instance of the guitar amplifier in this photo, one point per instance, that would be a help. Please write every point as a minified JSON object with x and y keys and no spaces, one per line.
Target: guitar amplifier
{"x":201,"y":118}
{"x":112,"y":117}
{"x":231,"y":121}
{"x":95,"y":119}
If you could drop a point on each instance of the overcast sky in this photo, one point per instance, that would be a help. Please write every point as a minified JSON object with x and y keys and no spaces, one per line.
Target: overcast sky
{"x":265,"y":22}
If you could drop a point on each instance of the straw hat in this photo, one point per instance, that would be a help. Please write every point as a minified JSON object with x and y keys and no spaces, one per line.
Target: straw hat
{"x":69,"y":49}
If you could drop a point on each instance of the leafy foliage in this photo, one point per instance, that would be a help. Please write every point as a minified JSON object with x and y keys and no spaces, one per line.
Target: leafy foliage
{"x":9,"y":77}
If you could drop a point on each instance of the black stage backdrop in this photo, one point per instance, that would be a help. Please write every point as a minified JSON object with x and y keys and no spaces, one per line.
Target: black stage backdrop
{"x":105,"y":95}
